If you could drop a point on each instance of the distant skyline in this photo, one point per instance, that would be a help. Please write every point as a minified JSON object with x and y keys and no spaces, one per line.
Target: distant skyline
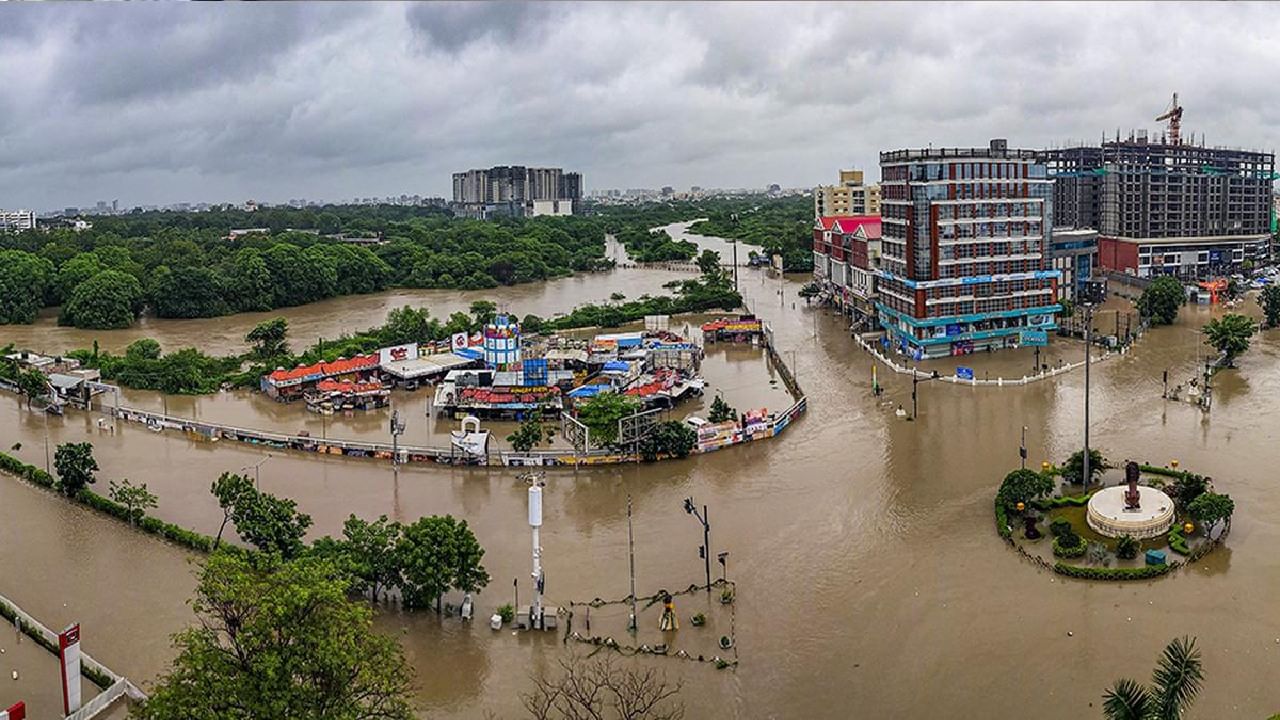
{"x":163,"y":103}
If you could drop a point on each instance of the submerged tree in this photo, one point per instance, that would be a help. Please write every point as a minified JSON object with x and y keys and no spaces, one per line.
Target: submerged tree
{"x":601,"y":690}
{"x":280,"y":639}
{"x":1074,"y":469}
{"x":75,"y":465}
{"x":1230,"y":335}
{"x":1269,"y":301}
{"x":136,"y":499}
{"x":268,"y":338}
{"x":1161,"y":300}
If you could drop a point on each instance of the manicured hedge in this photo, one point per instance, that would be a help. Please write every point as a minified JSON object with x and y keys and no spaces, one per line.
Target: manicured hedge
{"x":1167,"y":472}
{"x":1069,"y":552}
{"x":1072,"y":501}
{"x":1178,"y":542}
{"x":1002,"y":521}
{"x":146,"y":523}
{"x":1106,"y":573}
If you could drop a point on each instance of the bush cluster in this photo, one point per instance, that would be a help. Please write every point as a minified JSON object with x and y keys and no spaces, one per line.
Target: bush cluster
{"x":1069,"y":551}
{"x":1046,"y":504}
{"x":1178,"y":541}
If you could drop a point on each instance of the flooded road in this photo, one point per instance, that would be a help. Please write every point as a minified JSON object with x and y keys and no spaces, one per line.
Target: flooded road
{"x":869,"y":575}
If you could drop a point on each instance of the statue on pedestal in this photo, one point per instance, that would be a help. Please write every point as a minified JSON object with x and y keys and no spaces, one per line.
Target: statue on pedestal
{"x":1131,"y":496}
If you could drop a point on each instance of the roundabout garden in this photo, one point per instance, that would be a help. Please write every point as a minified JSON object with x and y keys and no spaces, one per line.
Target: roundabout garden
{"x":1141,"y":523}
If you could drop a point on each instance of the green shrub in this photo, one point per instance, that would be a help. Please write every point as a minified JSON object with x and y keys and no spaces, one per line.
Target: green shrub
{"x":507,"y":613}
{"x":1060,"y":527}
{"x":1178,"y":541}
{"x":1002,"y":521}
{"x":1106,"y":573}
{"x":1127,"y":547}
{"x":1067,"y":550}
{"x":1046,"y":504}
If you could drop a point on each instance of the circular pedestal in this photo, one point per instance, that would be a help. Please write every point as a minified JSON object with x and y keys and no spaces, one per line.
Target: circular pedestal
{"x":1108,"y":516}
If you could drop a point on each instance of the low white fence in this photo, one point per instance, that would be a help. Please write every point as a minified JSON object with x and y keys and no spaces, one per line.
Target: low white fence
{"x":992,"y":382}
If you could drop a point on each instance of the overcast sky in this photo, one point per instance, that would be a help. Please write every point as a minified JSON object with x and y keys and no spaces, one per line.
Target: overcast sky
{"x":162,"y":103}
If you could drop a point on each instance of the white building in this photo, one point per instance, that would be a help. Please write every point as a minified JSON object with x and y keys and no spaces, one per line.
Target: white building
{"x":551,"y":207}
{"x":17,"y":220}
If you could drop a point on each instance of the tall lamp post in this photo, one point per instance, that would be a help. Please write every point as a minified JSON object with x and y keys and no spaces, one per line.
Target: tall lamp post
{"x":1022,"y":449}
{"x":734,"y":218}
{"x":915,"y":383}
{"x":255,"y":467}
{"x":705,"y":550}
{"x":1095,"y":292}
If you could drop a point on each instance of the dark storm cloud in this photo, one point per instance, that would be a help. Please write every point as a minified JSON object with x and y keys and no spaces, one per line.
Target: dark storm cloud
{"x":163,"y":103}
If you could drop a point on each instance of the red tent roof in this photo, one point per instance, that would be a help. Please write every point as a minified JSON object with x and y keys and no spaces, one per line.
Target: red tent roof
{"x":341,"y":366}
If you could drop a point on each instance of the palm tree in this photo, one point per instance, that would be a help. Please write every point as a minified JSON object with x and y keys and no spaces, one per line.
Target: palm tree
{"x":1175,"y":682}
{"x":1230,"y":335}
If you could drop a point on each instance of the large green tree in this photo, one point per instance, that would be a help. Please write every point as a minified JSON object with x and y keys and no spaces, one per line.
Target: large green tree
{"x":75,"y":465}
{"x":271,"y":524}
{"x":33,"y":384}
{"x":436,"y":554}
{"x":1269,"y":301}
{"x":1161,"y":300}
{"x":280,"y":640}
{"x":1073,"y":470}
{"x":188,"y":292}
{"x":367,"y":551}
{"x":1230,"y":335}
{"x":601,"y":415}
{"x":1023,"y":486}
{"x":110,"y":299}
{"x":25,"y":280}
{"x":269,"y":338}
{"x":231,"y":490}
{"x":1175,"y":683}
{"x":672,"y":438}
{"x":1211,"y":508}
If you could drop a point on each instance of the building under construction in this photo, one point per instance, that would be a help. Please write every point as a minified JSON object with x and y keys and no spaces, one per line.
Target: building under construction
{"x":1163,"y":206}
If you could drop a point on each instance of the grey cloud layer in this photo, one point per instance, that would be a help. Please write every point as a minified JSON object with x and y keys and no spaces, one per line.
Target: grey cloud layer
{"x":163,"y":103}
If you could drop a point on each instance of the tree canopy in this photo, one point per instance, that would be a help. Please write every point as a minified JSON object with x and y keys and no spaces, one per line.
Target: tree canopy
{"x":75,"y":465}
{"x":1230,"y":335}
{"x":1269,"y":301}
{"x":601,"y":415}
{"x":1023,"y":486}
{"x":280,"y":640}
{"x":1161,"y":300}
{"x":109,"y":299}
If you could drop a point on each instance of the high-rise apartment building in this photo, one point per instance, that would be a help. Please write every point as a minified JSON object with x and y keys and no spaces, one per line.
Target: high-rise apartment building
{"x":511,"y":190}
{"x":17,"y":220}
{"x":964,"y":245}
{"x":849,"y":197}
{"x":1166,"y":209}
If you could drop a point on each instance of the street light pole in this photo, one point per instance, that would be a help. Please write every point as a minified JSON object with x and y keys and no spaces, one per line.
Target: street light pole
{"x":397,"y":429}
{"x":1088,"y":353}
{"x":631,"y":550}
{"x":915,"y":384}
{"x":1022,"y":449}
{"x":255,"y":467}
{"x":705,"y":550}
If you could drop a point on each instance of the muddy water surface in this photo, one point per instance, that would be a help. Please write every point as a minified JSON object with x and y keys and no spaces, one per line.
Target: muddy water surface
{"x":868,"y":570}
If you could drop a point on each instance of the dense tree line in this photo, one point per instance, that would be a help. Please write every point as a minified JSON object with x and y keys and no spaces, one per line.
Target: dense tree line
{"x":780,"y":226}
{"x":644,"y":245}
{"x":184,"y":265}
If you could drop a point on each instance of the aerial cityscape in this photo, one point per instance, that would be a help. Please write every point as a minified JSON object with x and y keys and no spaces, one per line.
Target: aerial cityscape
{"x":638,"y":361}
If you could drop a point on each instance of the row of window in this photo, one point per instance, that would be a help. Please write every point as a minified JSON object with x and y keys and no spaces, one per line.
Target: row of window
{"x":994,"y":208}
{"x":988,"y":268}
{"x":989,"y":250}
{"x":997,"y":229}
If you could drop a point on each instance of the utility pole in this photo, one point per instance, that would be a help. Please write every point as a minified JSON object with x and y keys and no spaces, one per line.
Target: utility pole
{"x":631,"y":550}
{"x":1022,"y":449}
{"x":915,"y":383}
{"x":255,"y":467}
{"x":705,"y":550}
{"x":1095,"y":293}
{"x":397,"y":429}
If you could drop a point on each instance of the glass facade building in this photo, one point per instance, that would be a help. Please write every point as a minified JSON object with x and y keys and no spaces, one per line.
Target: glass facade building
{"x":965,"y":239}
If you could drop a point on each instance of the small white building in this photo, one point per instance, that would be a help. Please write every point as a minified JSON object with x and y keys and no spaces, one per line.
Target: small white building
{"x":17,"y":220}
{"x":551,"y":207}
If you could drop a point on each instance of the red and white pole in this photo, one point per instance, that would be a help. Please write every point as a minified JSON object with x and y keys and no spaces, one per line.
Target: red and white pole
{"x":69,"y":660}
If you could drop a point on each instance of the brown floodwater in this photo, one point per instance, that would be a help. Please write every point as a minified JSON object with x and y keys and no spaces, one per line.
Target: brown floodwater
{"x":870,"y":579}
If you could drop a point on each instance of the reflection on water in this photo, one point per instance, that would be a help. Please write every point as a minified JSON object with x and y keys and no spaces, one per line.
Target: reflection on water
{"x":862,"y":544}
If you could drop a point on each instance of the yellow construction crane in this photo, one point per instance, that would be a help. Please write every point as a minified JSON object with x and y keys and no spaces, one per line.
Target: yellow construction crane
{"x":1174,"y":116}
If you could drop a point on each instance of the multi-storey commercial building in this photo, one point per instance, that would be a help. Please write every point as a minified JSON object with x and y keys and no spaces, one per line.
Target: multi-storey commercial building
{"x":846,"y":258}
{"x":850,"y":197}
{"x":17,"y":220}
{"x":512,"y":191}
{"x":1166,"y":209}
{"x":965,"y":239}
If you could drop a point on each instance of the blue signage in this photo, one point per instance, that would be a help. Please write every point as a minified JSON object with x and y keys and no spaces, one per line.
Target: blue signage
{"x":1035,"y":338}
{"x":964,"y":373}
